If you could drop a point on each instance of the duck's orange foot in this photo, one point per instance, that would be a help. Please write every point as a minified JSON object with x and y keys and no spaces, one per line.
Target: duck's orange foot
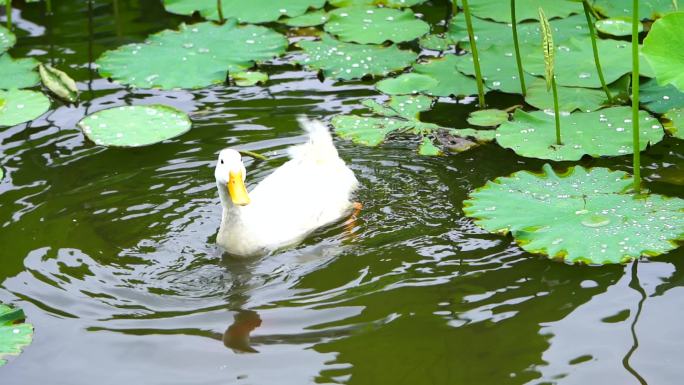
{"x":351,"y":222}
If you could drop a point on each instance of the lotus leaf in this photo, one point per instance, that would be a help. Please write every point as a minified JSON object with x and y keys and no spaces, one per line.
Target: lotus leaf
{"x":310,"y":19}
{"x":675,"y":124}
{"x":428,"y":148}
{"x":388,"y":3}
{"x":19,"y":106}
{"x":488,"y":118}
{"x":135,"y":126}
{"x":660,"y":99}
{"x":574,"y":98}
{"x":449,"y":80}
{"x":437,"y":42}
{"x":411,"y":83}
{"x":7,"y":39}
{"x":17,"y":73}
{"x":499,"y":10}
{"x":59,"y":83}
{"x":196,"y":56}
{"x":580,"y":216}
{"x":14,"y":336}
{"x":254,"y":11}
{"x":370,"y":25}
{"x":605,"y":132}
{"x":499,"y":70}
{"x":616,"y":27}
{"x":664,"y":49}
{"x":249,"y":78}
{"x":648,"y":9}
{"x":347,"y":61}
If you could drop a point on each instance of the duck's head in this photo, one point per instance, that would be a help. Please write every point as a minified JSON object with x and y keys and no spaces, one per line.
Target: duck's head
{"x":230,"y":173}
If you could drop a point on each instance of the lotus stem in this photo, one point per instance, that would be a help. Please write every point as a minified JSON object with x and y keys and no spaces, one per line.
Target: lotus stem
{"x":556,"y":110}
{"x":521,"y":72}
{"x":635,"y":98}
{"x":219,"y":7}
{"x":597,"y":61}
{"x":675,"y":5}
{"x":8,"y":12}
{"x":48,"y":7}
{"x":253,"y":154}
{"x":476,"y":58}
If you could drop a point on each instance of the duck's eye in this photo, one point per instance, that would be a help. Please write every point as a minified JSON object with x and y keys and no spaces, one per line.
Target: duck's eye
{"x":221,"y":161}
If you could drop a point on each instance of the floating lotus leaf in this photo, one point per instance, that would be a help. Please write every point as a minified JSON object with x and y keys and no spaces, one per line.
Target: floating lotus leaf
{"x":7,"y":39}
{"x":500,"y":10}
{"x":575,"y":65}
{"x":449,"y":80}
{"x":660,"y":99}
{"x":59,"y":83}
{"x":253,"y":11}
{"x":14,"y":335}
{"x":388,"y":3}
{"x":310,"y":19}
{"x":664,"y":49}
{"x":19,"y":106}
{"x":196,"y":56}
{"x":347,"y":61}
{"x":675,"y":123}
{"x":499,"y":69}
{"x":427,"y":148}
{"x":17,"y":73}
{"x":411,"y":83}
{"x":487,"y":118}
{"x":605,"y":132}
{"x":648,"y":9}
{"x":135,"y":126}
{"x":370,"y":25}
{"x":574,"y":98}
{"x":582,"y":215}
{"x":437,"y":42}
{"x":616,"y":27}
{"x":249,"y":78}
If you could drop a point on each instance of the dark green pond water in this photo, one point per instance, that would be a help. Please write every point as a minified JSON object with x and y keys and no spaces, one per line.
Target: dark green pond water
{"x":111,"y":252}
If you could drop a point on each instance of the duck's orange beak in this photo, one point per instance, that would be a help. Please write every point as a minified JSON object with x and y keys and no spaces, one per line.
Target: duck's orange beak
{"x":237,"y":189}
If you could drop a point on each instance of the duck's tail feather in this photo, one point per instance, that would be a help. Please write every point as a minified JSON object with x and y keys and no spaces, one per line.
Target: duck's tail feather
{"x":320,"y":147}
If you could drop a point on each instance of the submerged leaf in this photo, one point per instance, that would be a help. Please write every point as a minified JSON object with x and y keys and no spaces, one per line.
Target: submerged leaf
{"x":59,"y":83}
{"x":14,"y":335}
{"x":664,"y":49}
{"x":371,"y":25}
{"x":20,"y":106}
{"x":582,"y":215}
{"x":135,"y":126}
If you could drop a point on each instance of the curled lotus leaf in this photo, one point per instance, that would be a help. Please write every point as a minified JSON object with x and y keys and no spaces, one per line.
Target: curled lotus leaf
{"x":195,"y":56}
{"x":14,"y":333}
{"x":7,"y":39}
{"x":371,"y":25}
{"x":20,"y":106}
{"x":17,"y":73}
{"x":664,"y":49}
{"x":254,"y":11}
{"x":606,"y":132}
{"x":59,"y":83}
{"x":579,"y":216}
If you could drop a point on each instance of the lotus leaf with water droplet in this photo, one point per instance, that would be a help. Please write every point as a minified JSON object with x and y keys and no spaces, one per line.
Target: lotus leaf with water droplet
{"x":447,"y":81}
{"x":617,"y":26}
{"x":253,"y":11}
{"x":387,"y":3}
{"x":575,"y":98}
{"x":14,"y":334}
{"x":20,"y":106}
{"x":348,"y":61}
{"x":135,"y":126}
{"x":310,"y":19}
{"x":487,"y":118}
{"x":648,"y":9}
{"x":499,"y":70}
{"x":664,"y":49}
{"x":660,"y":99}
{"x":370,"y":25}
{"x":7,"y":39}
{"x":606,"y":132}
{"x":500,"y":10}
{"x":195,"y":56}
{"x":17,"y":73}
{"x":582,"y":215}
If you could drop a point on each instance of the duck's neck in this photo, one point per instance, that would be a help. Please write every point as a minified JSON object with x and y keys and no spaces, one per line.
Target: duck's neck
{"x":228,"y":207}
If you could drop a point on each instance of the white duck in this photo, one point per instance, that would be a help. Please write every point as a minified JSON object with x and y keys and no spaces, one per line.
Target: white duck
{"x":311,"y":190}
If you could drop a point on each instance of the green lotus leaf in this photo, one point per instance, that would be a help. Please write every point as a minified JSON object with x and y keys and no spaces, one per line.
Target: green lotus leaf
{"x":371,"y":25}
{"x":449,"y":80}
{"x":660,"y":99}
{"x":575,"y":65}
{"x":616,"y":26}
{"x":648,"y":9}
{"x":14,"y":335}
{"x":499,"y":69}
{"x":437,"y":42}
{"x":487,"y":118}
{"x":664,"y":49}
{"x":411,"y":83}
{"x":195,"y":56}
{"x":387,"y":3}
{"x":254,"y":11}
{"x":310,"y":19}
{"x":20,"y":106}
{"x":347,"y":61}
{"x":59,"y":83}
{"x":427,"y":148}
{"x":605,"y":132}
{"x":135,"y":126}
{"x":17,"y":73}
{"x":7,"y":39}
{"x":675,"y":124}
{"x":574,"y":98}
{"x":249,"y":78}
{"x":580,"y":216}
{"x":499,"y":10}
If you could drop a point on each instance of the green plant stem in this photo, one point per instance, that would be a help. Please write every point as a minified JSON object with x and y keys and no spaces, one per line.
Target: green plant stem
{"x":516,"y":45}
{"x":253,"y":154}
{"x":675,"y":5}
{"x":635,"y":98}
{"x":219,"y":7}
{"x":8,"y":12}
{"x":476,"y":58}
{"x":48,"y":7}
{"x":597,"y":61}
{"x":556,"y":110}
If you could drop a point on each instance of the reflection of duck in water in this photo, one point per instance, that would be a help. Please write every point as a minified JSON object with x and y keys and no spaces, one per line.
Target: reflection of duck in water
{"x":311,"y":190}
{"x":236,"y":336}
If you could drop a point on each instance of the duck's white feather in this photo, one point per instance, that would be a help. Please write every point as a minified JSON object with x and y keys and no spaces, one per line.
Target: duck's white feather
{"x":312,"y":189}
